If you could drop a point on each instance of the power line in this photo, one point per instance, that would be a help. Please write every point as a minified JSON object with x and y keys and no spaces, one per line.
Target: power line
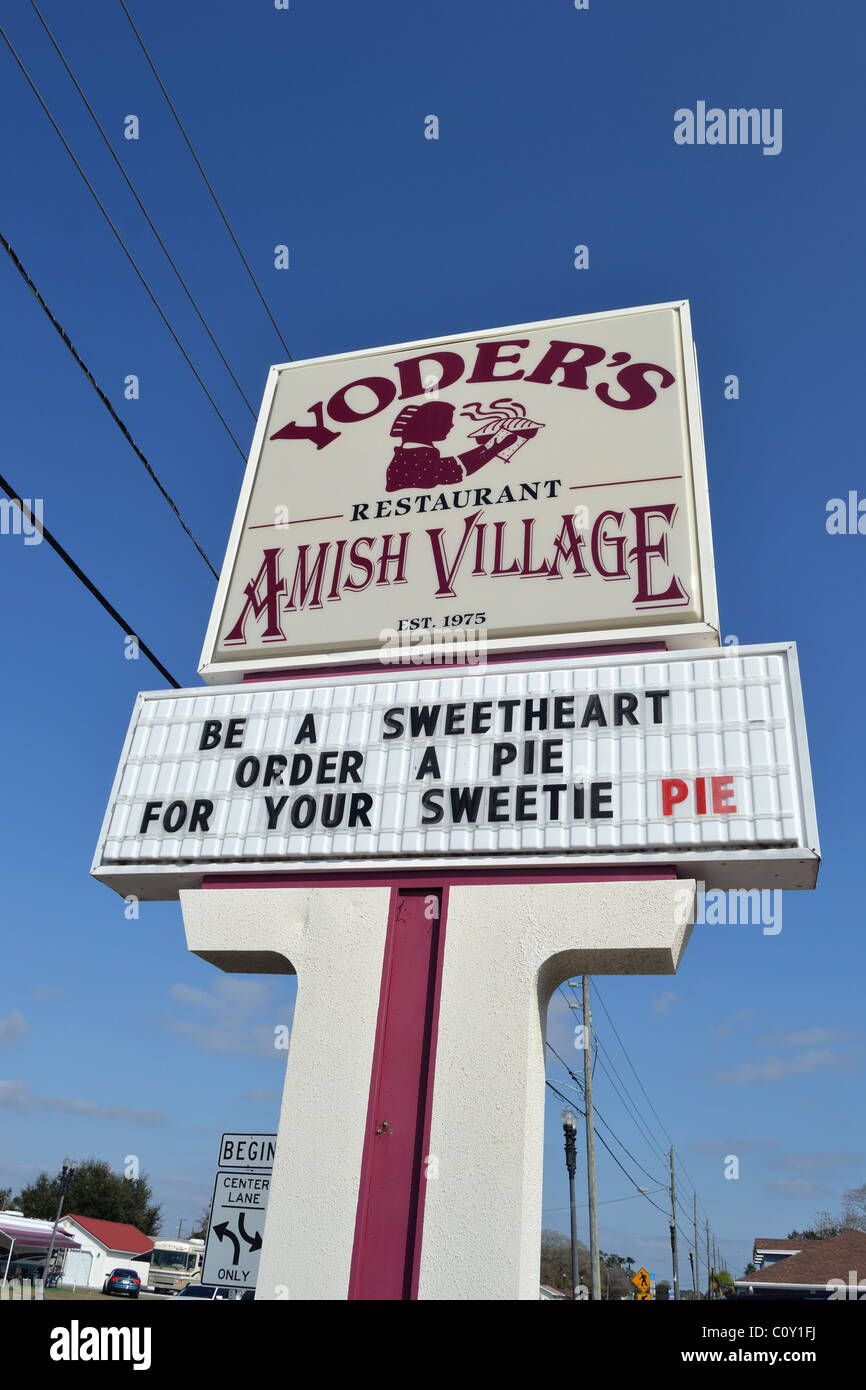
{"x":102,"y":396}
{"x":210,"y":190}
{"x":652,"y":1177}
{"x":602,"y":1140}
{"x":654,"y":1111}
{"x":608,"y":1202}
{"x":649,"y":1102}
{"x":627,"y":1102}
{"x":577,"y":1008}
{"x":640,"y":1191}
{"x":122,"y":243}
{"x":88,"y":583}
{"x":630,"y":1105}
{"x":134,"y":193}
{"x":631,"y":1114}
{"x":576,"y":1079}
{"x":631,"y":1063}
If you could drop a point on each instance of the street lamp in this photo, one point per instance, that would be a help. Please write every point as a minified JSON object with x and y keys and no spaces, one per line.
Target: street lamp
{"x":569,"y":1129}
{"x":66,"y":1175}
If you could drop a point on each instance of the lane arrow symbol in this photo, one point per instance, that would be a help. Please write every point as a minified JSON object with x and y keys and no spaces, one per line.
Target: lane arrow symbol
{"x":255,"y":1243}
{"x":223,"y":1232}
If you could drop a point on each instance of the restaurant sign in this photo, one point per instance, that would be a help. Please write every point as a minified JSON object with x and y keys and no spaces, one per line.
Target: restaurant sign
{"x":516,"y":488}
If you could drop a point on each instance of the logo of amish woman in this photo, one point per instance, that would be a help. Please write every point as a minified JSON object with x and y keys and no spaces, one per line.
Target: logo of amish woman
{"x":416,"y":461}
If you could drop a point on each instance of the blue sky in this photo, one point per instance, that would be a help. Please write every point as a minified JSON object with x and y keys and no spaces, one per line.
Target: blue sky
{"x":556,"y":128}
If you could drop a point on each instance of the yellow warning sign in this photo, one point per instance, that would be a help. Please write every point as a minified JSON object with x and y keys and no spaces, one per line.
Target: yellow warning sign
{"x":641,"y":1281}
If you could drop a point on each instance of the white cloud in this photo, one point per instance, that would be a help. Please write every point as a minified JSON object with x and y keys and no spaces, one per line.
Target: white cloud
{"x":663,"y":1003}
{"x":185,"y":994}
{"x":12,"y":1028}
{"x":738,"y":1022}
{"x":185,"y":1191}
{"x":731,"y":1146}
{"x":236,"y":1016}
{"x":19,"y":1096}
{"x":15,"y":1093}
{"x":798,"y":1187}
{"x":813,"y":1163}
{"x":779,"y":1069}
{"x":810,"y":1037}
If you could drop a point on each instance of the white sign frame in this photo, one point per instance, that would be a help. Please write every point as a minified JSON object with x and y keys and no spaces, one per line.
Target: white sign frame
{"x":781,"y":867}
{"x":684,"y":636}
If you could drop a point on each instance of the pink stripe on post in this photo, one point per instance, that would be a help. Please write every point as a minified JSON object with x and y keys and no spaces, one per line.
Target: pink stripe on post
{"x":388,"y":1226}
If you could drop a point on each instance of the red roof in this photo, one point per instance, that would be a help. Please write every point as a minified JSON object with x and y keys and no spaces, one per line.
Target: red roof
{"x":114,"y":1235}
{"x":817,"y":1263}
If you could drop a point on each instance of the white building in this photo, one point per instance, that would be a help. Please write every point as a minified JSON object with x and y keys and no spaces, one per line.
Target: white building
{"x":104,"y":1246}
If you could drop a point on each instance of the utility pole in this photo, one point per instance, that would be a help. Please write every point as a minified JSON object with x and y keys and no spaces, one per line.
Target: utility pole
{"x":674,"y":1256}
{"x":709,"y":1266}
{"x":595,"y":1265}
{"x":697,"y":1270}
{"x":67,"y":1173}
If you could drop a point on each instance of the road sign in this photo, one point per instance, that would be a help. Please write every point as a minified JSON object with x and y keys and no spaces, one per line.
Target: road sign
{"x":234,"y":1238}
{"x":247,"y":1151}
{"x":641,"y":1281}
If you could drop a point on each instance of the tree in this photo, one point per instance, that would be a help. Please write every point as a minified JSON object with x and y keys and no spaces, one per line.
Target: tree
{"x":556,"y":1261}
{"x":852,"y":1218}
{"x":200,"y":1230}
{"x":752,"y":1269}
{"x":662,"y":1288}
{"x":7,"y":1201}
{"x":854,"y":1208}
{"x":824,"y":1228}
{"x":97,"y":1192}
{"x":723,"y":1284}
{"x":616,"y":1272}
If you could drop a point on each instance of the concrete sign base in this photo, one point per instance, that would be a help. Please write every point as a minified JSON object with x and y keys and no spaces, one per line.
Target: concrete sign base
{"x":410,"y":1146}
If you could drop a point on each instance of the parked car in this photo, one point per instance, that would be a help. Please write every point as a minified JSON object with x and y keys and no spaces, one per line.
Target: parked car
{"x":124,"y":1281}
{"x":206,"y":1291}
